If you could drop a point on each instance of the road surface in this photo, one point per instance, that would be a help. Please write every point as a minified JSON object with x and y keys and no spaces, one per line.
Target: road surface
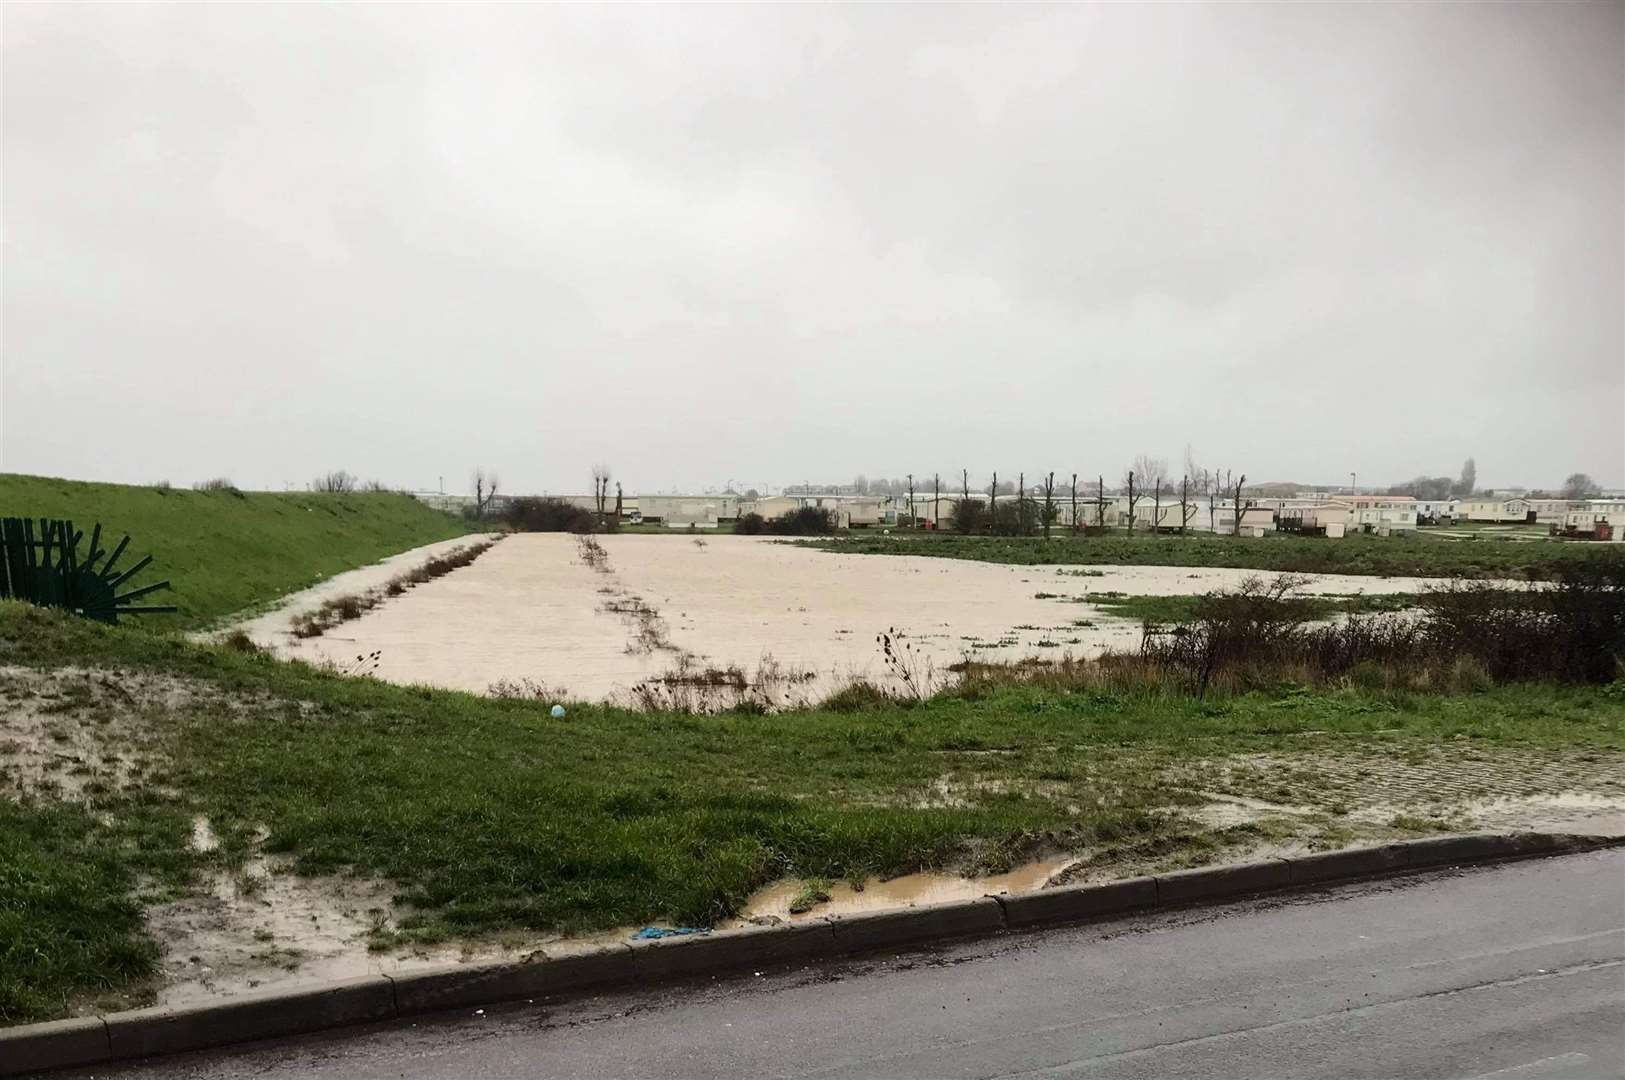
{"x":1513,"y":972}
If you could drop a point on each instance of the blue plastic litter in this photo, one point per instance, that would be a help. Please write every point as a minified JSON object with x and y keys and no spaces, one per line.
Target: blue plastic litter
{"x":649,"y":932}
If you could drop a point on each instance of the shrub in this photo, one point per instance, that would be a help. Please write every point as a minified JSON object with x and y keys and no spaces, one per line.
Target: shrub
{"x":1466,"y":635}
{"x":806,"y":521}
{"x":531,"y":514}
{"x":970,"y":515}
{"x":752,"y":524}
{"x":215,"y":483}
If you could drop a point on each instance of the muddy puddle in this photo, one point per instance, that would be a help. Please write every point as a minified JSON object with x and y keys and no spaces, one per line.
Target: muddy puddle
{"x":597,"y":624}
{"x":775,"y":902}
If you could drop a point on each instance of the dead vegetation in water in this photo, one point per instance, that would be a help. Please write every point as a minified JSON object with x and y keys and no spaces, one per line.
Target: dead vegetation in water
{"x":649,"y":632}
{"x":341,"y":609}
{"x":527,"y":690}
{"x":593,"y":553}
{"x":690,"y":687}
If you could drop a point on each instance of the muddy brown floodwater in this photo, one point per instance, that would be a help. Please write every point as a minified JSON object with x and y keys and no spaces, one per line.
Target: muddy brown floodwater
{"x":538,"y":607}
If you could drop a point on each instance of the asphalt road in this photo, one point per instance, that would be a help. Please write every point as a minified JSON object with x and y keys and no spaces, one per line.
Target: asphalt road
{"x":1512,"y":972}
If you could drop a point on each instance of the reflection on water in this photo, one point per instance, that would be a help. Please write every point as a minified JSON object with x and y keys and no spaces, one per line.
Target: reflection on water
{"x":907,"y":891}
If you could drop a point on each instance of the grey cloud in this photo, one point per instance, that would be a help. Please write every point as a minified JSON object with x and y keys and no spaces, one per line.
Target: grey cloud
{"x":786,"y":243}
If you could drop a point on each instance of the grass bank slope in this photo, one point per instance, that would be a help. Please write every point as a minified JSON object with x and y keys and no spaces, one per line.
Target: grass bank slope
{"x":225,"y":550}
{"x":1420,"y":555}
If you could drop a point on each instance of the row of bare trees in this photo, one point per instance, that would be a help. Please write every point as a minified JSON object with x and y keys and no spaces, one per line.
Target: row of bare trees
{"x":1039,"y":507}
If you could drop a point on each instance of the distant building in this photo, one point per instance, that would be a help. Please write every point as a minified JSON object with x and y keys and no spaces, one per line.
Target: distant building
{"x":1436,"y":511}
{"x":850,"y":511}
{"x":1380,"y":514}
{"x":1595,"y":519}
{"x":1256,"y":520}
{"x":687,"y":511}
{"x":1329,"y":519}
{"x":1494,"y":511}
{"x":1551,"y":511}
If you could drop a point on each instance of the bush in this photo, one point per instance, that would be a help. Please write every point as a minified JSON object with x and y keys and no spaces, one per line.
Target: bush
{"x":752,"y":524}
{"x":1466,"y":635}
{"x":970,"y":515}
{"x":807,"y":521}
{"x":214,"y":483}
{"x":531,"y":514}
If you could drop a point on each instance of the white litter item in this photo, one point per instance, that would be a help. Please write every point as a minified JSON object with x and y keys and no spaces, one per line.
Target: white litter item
{"x":556,"y":711}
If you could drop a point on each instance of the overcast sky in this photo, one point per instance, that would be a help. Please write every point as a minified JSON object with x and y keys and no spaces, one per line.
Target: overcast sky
{"x":772,"y":244}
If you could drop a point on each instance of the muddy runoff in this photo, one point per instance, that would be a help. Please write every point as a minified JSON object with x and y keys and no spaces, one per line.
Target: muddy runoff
{"x":638,"y":619}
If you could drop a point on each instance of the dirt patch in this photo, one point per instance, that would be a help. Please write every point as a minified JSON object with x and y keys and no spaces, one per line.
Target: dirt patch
{"x":76,"y":732}
{"x":262,"y":926}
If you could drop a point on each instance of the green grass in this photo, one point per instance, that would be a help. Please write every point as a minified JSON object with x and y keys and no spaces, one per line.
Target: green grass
{"x":1180,"y":609}
{"x":492,"y":816}
{"x":1384,"y":556}
{"x":70,"y":924}
{"x":227,"y":551}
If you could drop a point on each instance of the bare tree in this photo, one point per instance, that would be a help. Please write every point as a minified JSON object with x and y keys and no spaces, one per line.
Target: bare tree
{"x":485,"y":484}
{"x":1100,"y":501}
{"x":1578,"y":486}
{"x":1047,"y":514}
{"x":993,"y":503}
{"x":1021,"y":504}
{"x":1185,"y":509}
{"x":1073,"y":521}
{"x":911,"y":498}
{"x":1156,"y":508}
{"x":964,"y":498}
{"x":337,"y":482}
{"x":936,"y":500}
{"x":1128,"y":480}
{"x":1242,"y":479}
{"x":618,"y":501}
{"x":1215,"y":484}
{"x":600,"y":489}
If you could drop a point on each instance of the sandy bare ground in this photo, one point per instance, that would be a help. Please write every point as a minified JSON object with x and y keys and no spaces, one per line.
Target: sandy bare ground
{"x":534,"y":608}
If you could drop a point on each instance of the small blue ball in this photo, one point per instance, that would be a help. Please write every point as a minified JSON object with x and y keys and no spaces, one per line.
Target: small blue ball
{"x":557,"y":711}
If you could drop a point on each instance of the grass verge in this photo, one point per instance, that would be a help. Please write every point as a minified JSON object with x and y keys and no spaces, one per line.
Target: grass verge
{"x":491,"y":816}
{"x":226,"y":550}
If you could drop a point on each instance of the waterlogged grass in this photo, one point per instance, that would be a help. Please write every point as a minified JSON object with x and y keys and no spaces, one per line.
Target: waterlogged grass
{"x":492,"y":816}
{"x":225,"y":551}
{"x":1180,"y":609}
{"x":1388,"y":556}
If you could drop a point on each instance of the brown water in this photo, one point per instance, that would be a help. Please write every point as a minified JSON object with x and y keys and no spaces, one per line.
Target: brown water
{"x":910,"y":890}
{"x":532,"y":608}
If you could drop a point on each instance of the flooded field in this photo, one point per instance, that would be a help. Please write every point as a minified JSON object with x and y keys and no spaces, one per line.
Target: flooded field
{"x":593,"y":618}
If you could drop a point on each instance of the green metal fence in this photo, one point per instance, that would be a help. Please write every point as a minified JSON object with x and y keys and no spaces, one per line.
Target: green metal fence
{"x":40,"y":562}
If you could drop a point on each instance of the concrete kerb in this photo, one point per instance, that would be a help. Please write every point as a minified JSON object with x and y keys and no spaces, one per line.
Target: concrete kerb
{"x":93,"y":1040}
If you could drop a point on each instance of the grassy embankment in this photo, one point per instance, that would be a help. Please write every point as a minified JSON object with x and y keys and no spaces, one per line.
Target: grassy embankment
{"x":227,"y":551}
{"x":492,"y":816}
{"x":1420,"y":555}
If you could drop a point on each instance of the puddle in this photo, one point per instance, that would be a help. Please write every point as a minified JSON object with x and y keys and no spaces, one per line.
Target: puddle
{"x":1223,"y":811}
{"x":1593,"y":815}
{"x":910,"y":890}
{"x":203,"y":837}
